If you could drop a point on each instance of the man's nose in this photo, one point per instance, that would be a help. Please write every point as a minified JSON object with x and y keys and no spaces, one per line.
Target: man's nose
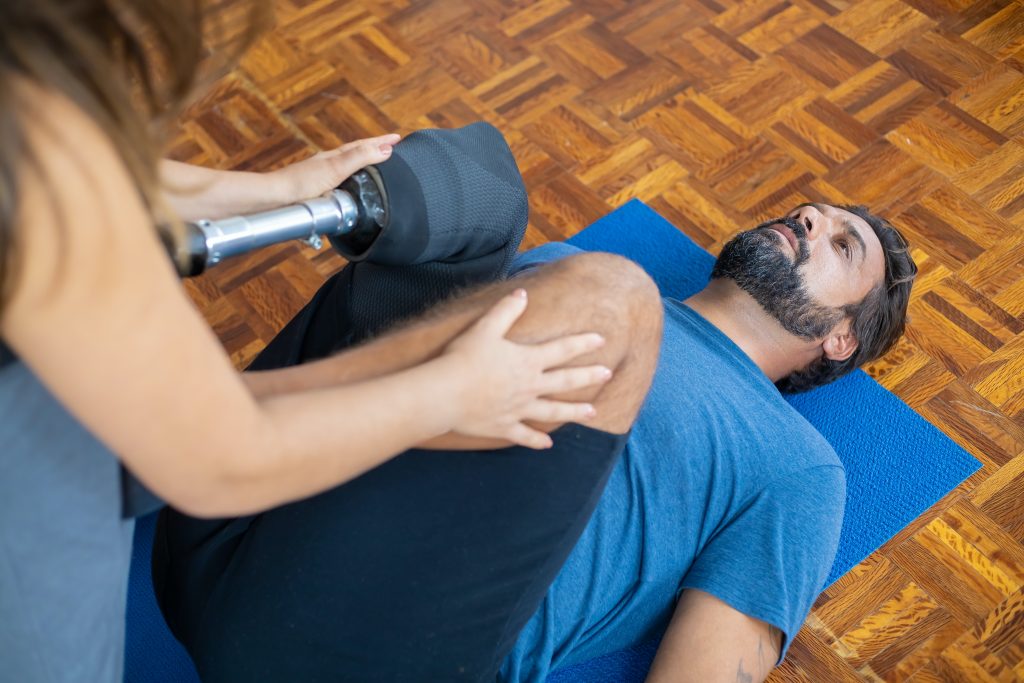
{"x":811,"y":219}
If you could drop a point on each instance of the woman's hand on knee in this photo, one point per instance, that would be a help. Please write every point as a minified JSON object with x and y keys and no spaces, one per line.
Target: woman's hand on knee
{"x":506,"y":384}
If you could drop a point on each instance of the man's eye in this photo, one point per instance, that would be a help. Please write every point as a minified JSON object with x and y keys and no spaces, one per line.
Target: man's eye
{"x":845,"y":246}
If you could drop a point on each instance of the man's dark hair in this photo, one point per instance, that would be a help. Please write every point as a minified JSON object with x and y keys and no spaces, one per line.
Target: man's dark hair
{"x":877,"y":321}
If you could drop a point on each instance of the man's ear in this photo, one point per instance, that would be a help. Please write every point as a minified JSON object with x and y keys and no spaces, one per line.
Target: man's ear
{"x":840,"y":343}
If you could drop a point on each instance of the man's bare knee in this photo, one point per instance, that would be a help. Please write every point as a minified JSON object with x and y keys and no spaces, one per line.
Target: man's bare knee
{"x":614,"y":275}
{"x":613,"y":296}
{"x":636,"y":339}
{"x":617,"y":297}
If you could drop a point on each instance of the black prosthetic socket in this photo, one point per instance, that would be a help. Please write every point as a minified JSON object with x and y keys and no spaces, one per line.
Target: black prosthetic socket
{"x":367,"y":190}
{"x":403,"y":234}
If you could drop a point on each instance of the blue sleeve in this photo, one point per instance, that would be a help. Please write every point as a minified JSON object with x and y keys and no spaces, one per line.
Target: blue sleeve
{"x":772,"y":560}
{"x":538,"y":256}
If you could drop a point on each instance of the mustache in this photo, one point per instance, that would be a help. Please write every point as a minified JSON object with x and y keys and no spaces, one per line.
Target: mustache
{"x":799,"y":230}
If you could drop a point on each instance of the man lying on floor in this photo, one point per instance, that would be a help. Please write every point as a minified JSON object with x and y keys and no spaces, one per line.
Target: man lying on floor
{"x":720,"y":520}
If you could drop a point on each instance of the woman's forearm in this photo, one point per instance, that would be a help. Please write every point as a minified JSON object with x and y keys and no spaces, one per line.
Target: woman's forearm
{"x":196,"y":192}
{"x":396,"y":350}
{"x":297,"y":444}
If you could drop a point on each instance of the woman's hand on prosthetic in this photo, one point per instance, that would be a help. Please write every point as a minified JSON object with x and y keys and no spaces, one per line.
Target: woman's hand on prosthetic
{"x":196,"y":192}
{"x":325,"y":171}
{"x":505,"y":384}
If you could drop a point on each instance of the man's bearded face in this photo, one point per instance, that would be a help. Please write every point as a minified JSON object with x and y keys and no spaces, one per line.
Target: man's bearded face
{"x":757,"y":261}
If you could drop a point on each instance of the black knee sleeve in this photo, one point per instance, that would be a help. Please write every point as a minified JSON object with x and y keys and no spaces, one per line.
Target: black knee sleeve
{"x":452,"y":195}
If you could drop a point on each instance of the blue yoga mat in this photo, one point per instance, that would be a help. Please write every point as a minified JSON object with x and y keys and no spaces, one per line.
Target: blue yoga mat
{"x":897,"y":464}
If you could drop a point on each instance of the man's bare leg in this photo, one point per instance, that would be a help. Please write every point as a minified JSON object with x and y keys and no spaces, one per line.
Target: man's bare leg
{"x":592,"y":292}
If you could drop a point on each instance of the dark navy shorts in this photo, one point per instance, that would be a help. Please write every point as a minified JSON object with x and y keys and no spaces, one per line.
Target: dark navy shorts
{"x":424,"y":569}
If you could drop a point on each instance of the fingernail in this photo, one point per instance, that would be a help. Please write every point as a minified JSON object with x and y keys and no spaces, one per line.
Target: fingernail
{"x":606,"y":373}
{"x":549,"y":443}
{"x":591,"y":411}
{"x":385,"y":149}
{"x":599,"y":340}
{"x":521,"y":293}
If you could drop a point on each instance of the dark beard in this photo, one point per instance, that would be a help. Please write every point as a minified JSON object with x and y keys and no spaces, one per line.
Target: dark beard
{"x":755,"y":261}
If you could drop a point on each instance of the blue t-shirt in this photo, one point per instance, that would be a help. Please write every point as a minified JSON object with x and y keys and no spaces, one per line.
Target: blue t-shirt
{"x":722,"y":487}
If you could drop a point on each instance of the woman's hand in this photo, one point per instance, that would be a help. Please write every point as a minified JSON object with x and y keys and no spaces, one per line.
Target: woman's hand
{"x":324,"y":171}
{"x":506,"y":383}
{"x":196,"y":192}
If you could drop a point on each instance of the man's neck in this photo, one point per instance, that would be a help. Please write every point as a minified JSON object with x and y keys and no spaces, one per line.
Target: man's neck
{"x":738,"y":316}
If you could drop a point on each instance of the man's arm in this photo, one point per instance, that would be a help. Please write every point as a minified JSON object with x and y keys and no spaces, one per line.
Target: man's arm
{"x":411,"y":343}
{"x":551,"y":287}
{"x":710,"y":642}
{"x":399,"y":350}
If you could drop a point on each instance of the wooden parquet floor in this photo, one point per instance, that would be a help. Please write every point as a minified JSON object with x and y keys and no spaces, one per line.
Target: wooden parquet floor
{"x":719,"y":113}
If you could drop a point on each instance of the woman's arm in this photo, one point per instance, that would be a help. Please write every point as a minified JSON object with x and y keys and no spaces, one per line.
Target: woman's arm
{"x":99,"y":315}
{"x":196,"y":192}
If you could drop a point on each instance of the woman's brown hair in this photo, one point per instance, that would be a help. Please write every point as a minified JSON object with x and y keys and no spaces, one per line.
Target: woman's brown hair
{"x":130,"y":65}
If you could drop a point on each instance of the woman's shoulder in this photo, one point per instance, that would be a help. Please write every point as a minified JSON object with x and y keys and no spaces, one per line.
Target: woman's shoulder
{"x":67,"y":162}
{"x":59,"y":138}
{"x":44,"y":111}
{"x":74,"y":200}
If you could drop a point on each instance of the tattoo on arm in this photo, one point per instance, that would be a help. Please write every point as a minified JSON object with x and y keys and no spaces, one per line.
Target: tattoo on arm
{"x":742,"y":676}
{"x":766,"y":657}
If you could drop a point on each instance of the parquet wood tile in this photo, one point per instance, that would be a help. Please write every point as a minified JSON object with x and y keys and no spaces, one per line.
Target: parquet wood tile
{"x":718,"y":113}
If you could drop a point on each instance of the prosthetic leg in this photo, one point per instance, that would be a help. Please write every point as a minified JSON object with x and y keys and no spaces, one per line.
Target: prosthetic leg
{"x":442,"y":193}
